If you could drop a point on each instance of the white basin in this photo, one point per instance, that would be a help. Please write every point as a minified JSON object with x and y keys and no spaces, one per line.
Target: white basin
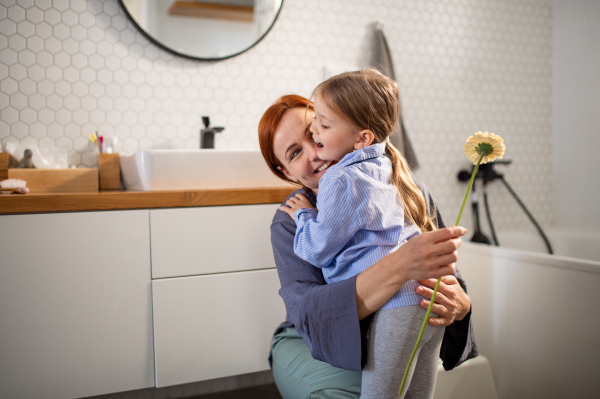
{"x":151,"y":170}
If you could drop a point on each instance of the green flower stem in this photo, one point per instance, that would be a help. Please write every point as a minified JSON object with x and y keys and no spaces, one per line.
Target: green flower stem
{"x":437,"y":284}
{"x":462,"y":208}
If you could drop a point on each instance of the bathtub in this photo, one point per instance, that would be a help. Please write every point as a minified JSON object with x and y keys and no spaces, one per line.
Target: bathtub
{"x":471,"y":380}
{"x":537,"y":316}
{"x":571,"y":244}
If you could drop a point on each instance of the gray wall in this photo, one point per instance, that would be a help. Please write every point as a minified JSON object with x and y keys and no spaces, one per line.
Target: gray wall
{"x":576,"y":83}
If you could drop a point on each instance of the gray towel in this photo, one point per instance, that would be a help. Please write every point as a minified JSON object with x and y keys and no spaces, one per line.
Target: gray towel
{"x":382,"y":60}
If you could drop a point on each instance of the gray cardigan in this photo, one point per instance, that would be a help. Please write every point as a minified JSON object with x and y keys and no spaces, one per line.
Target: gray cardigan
{"x":326,"y":316}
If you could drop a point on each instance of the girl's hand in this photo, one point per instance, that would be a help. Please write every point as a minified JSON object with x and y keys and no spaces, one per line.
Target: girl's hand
{"x":451,"y":302}
{"x":296,"y":202}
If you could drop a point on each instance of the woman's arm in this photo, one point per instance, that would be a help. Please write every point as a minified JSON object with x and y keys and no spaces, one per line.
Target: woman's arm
{"x":323,"y":314}
{"x":327,"y":315}
{"x":452,"y":304}
{"x":429,"y":255}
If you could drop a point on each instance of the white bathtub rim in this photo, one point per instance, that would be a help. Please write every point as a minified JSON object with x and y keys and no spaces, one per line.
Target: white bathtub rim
{"x":558,"y":261}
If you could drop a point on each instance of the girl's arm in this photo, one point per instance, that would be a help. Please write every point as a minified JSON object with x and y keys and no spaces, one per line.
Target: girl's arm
{"x":320,"y":237}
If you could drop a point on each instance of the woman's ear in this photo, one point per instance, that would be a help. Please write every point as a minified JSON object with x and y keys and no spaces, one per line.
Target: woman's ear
{"x":365,"y":138}
{"x":286,"y":173}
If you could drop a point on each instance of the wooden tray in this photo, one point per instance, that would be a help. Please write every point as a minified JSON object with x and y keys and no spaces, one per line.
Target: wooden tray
{"x":80,"y":180}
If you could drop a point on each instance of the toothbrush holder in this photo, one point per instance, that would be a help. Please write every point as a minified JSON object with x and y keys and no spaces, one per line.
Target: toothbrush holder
{"x":109,"y":171}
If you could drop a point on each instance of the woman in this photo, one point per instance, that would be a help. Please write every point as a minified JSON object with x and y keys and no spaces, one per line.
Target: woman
{"x":320,"y":349}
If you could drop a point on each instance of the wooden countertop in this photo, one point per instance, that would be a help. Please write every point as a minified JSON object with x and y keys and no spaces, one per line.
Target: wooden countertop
{"x":113,"y":200}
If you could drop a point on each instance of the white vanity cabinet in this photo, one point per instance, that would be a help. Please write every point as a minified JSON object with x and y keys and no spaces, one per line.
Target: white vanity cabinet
{"x":109,"y":301}
{"x":75,"y":304}
{"x":215,"y":291}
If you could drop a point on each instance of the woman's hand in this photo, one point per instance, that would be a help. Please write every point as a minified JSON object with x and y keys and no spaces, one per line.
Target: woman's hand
{"x":451,"y":301}
{"x":429,"y":255}
{"x":426,"y":256}
{"x":296,"y":202}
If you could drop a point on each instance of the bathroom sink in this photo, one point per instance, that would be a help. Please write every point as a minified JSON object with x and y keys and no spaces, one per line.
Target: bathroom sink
{"x":150,"y":170}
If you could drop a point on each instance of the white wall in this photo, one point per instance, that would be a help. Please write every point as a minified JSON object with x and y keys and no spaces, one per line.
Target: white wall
{"x":68,"y":68}
{"x":576,"y":82}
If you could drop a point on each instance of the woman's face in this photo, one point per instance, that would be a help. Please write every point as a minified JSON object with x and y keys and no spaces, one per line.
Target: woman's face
{"x":296,"y":150}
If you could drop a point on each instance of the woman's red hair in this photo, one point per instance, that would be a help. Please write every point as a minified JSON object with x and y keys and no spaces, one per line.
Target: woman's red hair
{"x":270,"y":122}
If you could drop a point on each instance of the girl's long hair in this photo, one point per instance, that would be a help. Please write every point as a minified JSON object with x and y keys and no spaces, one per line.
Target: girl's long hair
{"x":369,"y":100}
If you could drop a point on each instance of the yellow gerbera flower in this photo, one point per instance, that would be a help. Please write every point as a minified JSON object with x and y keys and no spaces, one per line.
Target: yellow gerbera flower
{"x":490,"y":145}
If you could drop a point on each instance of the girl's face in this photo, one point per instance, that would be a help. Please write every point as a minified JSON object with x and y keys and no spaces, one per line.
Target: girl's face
{"x":334,"y":136}
{"x":296,"y":150}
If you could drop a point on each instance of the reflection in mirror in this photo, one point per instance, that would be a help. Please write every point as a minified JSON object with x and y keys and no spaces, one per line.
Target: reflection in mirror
{"x":203,"y":30}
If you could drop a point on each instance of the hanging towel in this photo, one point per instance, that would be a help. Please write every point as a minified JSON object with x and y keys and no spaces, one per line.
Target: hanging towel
{"x":382,"y":60}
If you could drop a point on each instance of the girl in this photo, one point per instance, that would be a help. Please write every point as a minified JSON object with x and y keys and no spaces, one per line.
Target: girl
{"x":368,"y":206}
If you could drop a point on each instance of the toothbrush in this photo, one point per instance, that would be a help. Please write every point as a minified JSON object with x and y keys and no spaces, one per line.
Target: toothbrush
{"x":95,"y":141}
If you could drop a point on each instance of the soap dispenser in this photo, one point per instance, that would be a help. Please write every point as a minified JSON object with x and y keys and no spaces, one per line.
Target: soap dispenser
{"x":207,"y":135}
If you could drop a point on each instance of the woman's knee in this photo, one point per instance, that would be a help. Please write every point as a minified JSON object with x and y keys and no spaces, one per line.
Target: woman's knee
{"x":299,"y":376}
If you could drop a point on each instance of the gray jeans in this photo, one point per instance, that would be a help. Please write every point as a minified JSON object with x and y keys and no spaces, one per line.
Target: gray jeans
{"x":392,"y":338}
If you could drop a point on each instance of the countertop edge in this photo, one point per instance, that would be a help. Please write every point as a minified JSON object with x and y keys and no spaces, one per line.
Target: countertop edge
{"x":121,"y":200}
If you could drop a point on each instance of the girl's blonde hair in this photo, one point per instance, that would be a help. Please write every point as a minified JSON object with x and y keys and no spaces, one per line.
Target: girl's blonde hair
{"x":367,"y":99}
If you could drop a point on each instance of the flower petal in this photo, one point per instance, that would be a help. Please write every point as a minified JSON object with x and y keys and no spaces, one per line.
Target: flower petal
{"x":471,"y":147}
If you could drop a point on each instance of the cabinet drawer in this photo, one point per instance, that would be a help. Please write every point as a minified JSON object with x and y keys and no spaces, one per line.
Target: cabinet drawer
{"x":206,"y":240}
{"x":208,"y":327}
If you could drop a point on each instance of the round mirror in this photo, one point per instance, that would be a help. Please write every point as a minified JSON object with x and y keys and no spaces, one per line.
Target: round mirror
{"x":203,"y":30}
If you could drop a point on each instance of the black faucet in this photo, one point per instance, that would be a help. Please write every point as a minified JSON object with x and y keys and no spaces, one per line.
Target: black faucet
{"x":207,"y":135}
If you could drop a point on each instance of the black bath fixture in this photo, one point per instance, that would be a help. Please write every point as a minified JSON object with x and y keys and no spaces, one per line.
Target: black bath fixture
{"x":478,"y":236}
{"x":487,"y":173}
{"x":207,"y":135}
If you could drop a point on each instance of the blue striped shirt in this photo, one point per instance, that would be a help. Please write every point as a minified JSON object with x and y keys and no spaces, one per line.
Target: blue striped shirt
{"x":360,"y":220}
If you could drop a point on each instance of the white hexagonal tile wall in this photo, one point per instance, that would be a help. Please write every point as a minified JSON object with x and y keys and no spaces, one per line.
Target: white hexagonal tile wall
{"x":76,"y":66}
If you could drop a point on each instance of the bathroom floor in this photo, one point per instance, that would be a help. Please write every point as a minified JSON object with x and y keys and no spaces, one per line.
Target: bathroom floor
{"x":268,"y":391}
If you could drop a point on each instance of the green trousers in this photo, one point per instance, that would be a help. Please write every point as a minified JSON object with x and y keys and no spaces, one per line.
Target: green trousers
{"x":299,"y":376}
